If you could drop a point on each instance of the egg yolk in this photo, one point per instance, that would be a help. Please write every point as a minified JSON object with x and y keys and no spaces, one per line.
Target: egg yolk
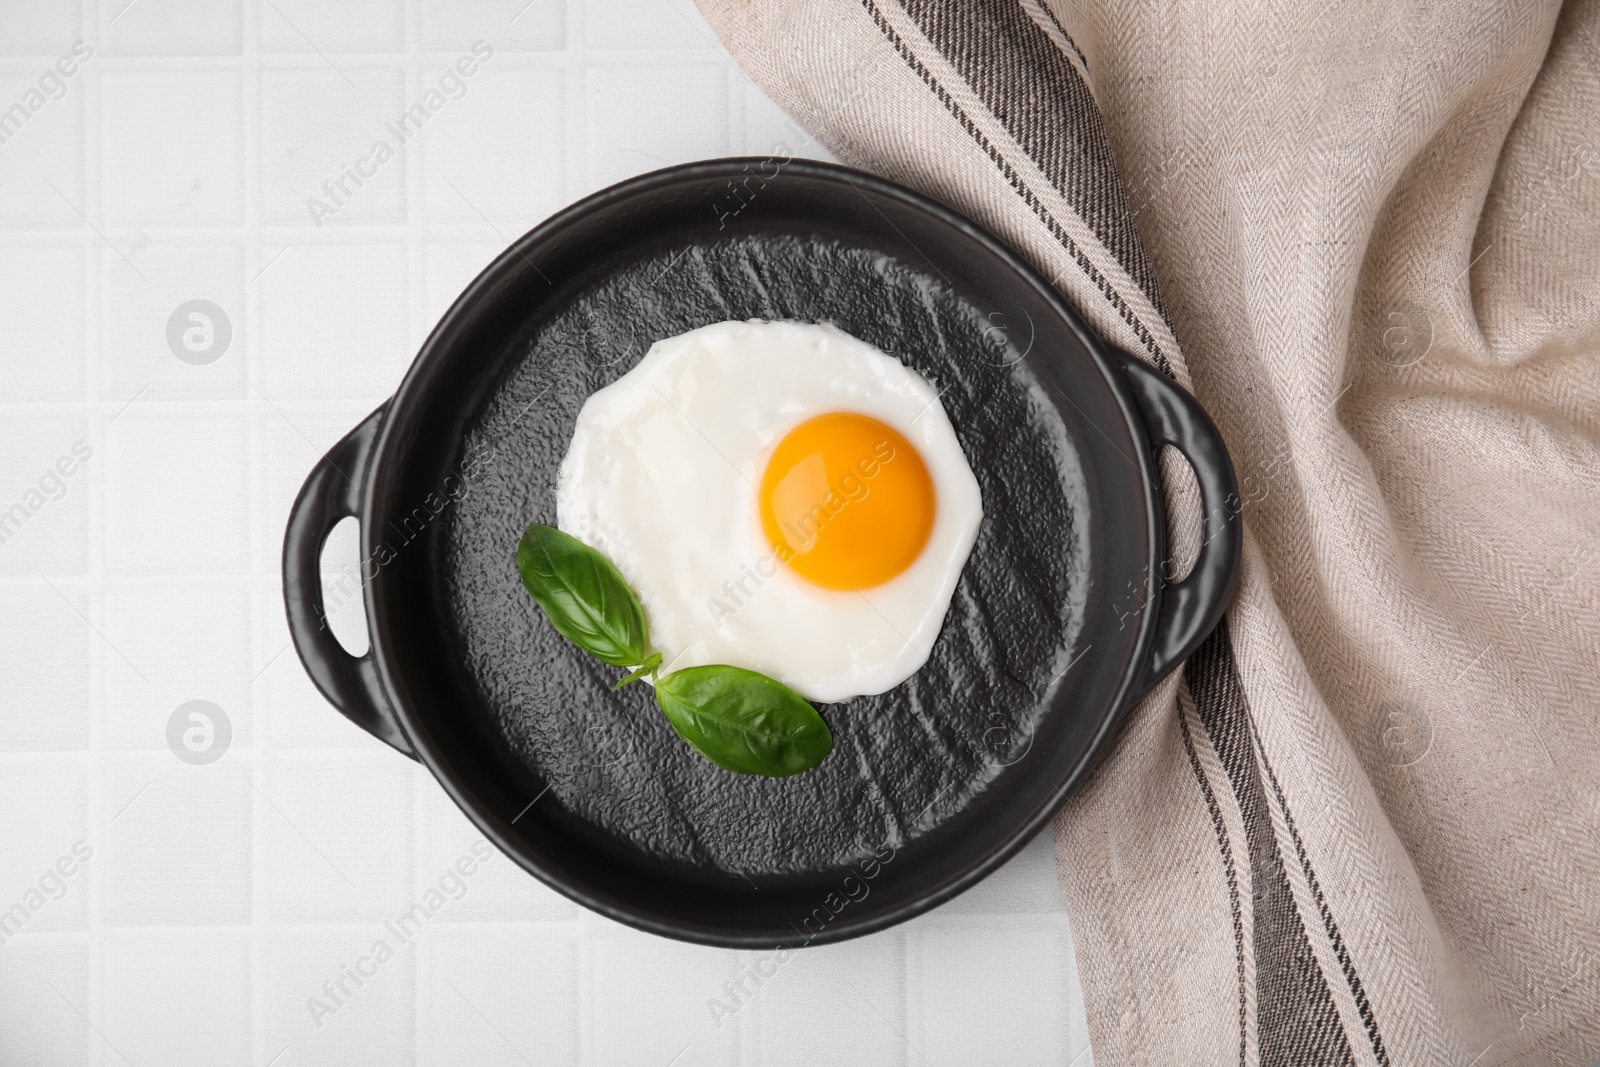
{"x":846,"y":501}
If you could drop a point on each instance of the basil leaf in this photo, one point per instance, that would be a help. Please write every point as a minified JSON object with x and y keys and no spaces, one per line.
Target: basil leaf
{"x":585,"y":597}
{"x":743,"y":721}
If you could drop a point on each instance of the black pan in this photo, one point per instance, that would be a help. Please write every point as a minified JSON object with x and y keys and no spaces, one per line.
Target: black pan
{"x":1061,"y":619}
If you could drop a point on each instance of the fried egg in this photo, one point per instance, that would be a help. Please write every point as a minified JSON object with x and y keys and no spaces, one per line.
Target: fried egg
{"x":782,"y":497}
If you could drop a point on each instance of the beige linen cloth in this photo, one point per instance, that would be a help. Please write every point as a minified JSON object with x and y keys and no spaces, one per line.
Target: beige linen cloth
{"x":1364,"y":828}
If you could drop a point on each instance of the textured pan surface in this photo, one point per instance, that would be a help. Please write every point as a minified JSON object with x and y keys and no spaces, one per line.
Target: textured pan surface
{"x":905,"y":761}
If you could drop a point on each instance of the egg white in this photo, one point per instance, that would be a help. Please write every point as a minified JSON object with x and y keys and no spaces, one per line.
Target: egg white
{"x":662,"y":478}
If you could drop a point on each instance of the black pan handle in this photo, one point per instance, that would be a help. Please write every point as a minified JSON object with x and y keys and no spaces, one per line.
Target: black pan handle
{"x":333,"y":492}
{"x":1189,"y":610}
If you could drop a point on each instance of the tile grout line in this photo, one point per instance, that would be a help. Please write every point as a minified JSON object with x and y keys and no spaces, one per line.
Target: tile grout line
{"x":306,"y":62}
{"x":911,"y":957}
{"x":94,"y":373}
{"x":422,"y":1048}
{"x":250,"y":104}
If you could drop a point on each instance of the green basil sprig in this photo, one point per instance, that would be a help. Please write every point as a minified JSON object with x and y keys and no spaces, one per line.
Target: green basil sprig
{"x":738,"y":719}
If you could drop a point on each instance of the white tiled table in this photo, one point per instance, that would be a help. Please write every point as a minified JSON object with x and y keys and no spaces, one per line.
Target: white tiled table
{"x":175,"y":164}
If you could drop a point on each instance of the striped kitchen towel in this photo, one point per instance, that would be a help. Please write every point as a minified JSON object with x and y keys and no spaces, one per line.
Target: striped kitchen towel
{"x":1364,"y":826}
